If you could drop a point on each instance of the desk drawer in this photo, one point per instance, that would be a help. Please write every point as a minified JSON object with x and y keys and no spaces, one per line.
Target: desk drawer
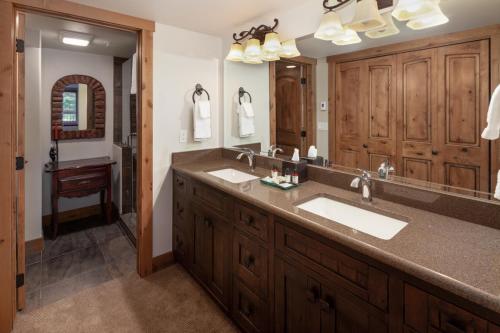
{"x":95,"y":179}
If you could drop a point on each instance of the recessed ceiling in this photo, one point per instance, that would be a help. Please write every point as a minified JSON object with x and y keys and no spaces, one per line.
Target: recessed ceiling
{"x":463,"y":15}
{"x":215,"y":17}
{"x":105,"y":41}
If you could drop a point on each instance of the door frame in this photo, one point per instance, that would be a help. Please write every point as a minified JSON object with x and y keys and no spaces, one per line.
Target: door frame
{"x":86,"y":14}
{"x":490,"y":33}
{"x":310,"y":65}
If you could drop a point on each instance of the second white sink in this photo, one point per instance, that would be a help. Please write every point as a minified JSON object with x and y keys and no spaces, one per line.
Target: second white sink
{"x":232,"y":175}
{"x":367,"y":221}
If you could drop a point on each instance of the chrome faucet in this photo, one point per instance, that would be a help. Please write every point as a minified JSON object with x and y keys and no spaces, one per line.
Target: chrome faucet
{"x":366,"y":185}
{"x":272,"y":151}
{"x":250,"y":154}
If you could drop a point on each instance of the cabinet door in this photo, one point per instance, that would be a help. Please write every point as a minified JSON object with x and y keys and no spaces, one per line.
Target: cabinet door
{"x":296,"y":294}
{"x":417,"y":114}
{"x":379,"y":121}
{"x":463,"y":104}
{"x":349,"y":114}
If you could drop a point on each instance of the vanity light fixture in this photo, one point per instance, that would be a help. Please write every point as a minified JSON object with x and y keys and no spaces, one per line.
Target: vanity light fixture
{"x":389,"y":29}
{"x":75,"y":38}
{"x":262,"y":43}
{"x":435,"y":18}
{"x":349,"y":37}
{"x":410,"y":9}
{"x":329,"y":27}
{"x":367,"y":17}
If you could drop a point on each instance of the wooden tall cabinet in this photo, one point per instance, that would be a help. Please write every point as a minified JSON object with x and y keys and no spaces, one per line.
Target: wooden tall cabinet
{"x":424,"y":110}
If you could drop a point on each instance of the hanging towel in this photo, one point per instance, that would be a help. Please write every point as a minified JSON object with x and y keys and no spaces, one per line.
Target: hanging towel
{"x":497,"y":190}
{"x":202,"y":121}
{"x":492,"y":131}
{"x":133,"y":86}
{"x":246,"y":120}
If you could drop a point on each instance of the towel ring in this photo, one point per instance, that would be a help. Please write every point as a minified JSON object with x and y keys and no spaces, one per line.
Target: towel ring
{"x":242,"y":93}
{"x":198,"y":90}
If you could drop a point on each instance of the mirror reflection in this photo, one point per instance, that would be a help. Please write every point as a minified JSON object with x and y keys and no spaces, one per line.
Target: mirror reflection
{"x":77,"y":108}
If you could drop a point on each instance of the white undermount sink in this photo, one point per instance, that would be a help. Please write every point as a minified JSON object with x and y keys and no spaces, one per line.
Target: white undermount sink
{"x":232,"y":175}
{"x":367,"y":221}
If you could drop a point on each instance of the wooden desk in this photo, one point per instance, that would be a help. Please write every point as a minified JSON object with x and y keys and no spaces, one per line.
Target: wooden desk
{"x":79,"y":178}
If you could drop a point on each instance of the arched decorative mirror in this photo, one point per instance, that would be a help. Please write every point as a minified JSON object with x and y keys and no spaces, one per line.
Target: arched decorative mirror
{"x":78,"y":108}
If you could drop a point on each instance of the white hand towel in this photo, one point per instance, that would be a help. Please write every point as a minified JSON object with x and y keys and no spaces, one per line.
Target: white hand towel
{"x":246,"y":123}
{"x":202,"y":126}
{"x":133,"y":86}
{"x":492,"y":131}
{"x":204,"y":109}
{"x":497,"y":190}
{"x":248,"y":108}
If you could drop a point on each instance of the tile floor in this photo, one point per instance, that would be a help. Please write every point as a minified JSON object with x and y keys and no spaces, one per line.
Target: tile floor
{"x":78,"y":259}
{"x":130,"y":220}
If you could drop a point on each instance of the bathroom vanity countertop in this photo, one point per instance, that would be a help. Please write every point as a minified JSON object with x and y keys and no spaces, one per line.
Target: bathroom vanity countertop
{"x":457,"y":256}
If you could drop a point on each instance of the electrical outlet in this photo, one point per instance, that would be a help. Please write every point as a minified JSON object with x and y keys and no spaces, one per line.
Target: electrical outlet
{"x":324,"y":106}
{"x":183,"y":136}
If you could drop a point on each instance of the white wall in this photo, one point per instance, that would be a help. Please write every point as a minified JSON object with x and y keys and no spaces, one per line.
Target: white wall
{"x":56,"y":64}
{"x":322,"y":116}
{"x":181,"y":59}
{"x":255,"y":80}
{"x":33,"y":152}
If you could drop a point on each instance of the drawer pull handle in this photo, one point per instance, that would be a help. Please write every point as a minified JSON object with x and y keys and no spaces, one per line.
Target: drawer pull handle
{"x":248,"y":221}
{"x":249,"y":261}
{"x":325,"y":305}
{"x":312,"y":295}
{"x":207,"y":222}
{"x":180,"y":182}
{"x":180,"y":210}
{"x":247,"y":309}
{"x":2,"y":240}
{"x":83,"y":182}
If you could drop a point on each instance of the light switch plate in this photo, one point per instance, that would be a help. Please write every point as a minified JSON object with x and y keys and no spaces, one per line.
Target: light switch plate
{"x":324,"y":106}
{"x":183,"y":136}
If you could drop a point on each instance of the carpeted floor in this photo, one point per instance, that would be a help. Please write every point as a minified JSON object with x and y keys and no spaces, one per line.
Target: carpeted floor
{"x":168,"y":301}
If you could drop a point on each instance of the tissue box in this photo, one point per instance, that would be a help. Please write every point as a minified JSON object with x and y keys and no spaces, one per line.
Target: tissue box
{"x":300,"y":166}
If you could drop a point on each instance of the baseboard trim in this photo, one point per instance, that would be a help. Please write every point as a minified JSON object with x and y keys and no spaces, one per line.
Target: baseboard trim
{"x":34,"y":246}
{"x":74,"y":214}
{"x":163,"y":261}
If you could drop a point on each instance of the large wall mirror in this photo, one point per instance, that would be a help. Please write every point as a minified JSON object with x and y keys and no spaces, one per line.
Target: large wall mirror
{"x":421,"y":110}
{"x":78,"y":108}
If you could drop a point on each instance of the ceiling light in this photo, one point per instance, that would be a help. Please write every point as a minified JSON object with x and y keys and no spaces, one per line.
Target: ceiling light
{"x":272,"y":43}
{"x":235,"y":53}
{"x":75,"y":38}
{"x":291,"y":66}
{"x":367,"y":17}
{"x":329,"y":27}
{"x":347,"y":38}
{"x":289,"y":49}
{"x":435,"y":18}
{"x":389,"y":29}
{"x":410,"y":9}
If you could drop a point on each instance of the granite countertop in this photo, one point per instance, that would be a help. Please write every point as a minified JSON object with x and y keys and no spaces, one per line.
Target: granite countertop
{"x":460,"y":257}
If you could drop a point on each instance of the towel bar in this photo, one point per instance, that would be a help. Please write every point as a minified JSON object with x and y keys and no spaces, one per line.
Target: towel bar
{"x":198,"y":91}
{"x":242,"y":93}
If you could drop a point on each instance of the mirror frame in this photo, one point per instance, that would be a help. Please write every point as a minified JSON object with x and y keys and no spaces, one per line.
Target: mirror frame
{"x":99,"y":92}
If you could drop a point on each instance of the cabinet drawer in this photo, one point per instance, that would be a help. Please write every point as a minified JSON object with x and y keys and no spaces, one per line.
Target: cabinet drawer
{"x":179,"y":184}
{"x":426,"y":313}
{"x":181,"y":246}
{"x":95,"y":179}
{"x":250,"y":263}
{"x":358,"y":277}
{"x":180,"y":212}
{"x":252,"y":220}
{"x":248,"y":309}
{"x":207,"y":196}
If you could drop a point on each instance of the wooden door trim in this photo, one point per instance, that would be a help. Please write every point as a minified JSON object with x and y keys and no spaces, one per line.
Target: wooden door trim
{"x":310,"y":64}
{"x":66,"y":10}
{"x":419,"y":44}
{"x":495,"y":81}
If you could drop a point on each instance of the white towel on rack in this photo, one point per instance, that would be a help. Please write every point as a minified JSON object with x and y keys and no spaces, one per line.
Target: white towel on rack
{"x":133,"y":85}
{"x":202,"y":121}
{"x":246,"y":120}
{"x":492,"y":131}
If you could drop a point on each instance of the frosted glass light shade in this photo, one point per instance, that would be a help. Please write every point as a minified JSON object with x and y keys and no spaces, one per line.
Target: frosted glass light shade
{"x":289,"y":49}
{"x":389,"y":29}
{"x":267,"y":56}
{"x":272,"y":43}
{"x":252,"y":49}
{"x":410,"y":9}
{"x":435,"y":18}
{"x":252,"y":60}
{"x":367,"y":17}
{"x":235,"y":53}
{"x":348,"y":37}
{"x":329,"y":27}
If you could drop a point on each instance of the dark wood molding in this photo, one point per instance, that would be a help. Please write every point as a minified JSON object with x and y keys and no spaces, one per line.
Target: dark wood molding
{"x":163,"y":261}
{"x":73,"y":214}
{"x":34,"y":246}
{"x":99,"y":108}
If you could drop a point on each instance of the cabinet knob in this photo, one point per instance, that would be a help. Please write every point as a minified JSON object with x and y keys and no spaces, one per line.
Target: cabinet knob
{"x":208,"y":222}
{"x":249,"y":261}
{"x":325,"y":305}
{"x":435,"y":152}
{"x":312,"y":295}
{"x":247,"y":309}
{"x":452,"y":327}
{"x":249,"y":221}
{"x":2,"y":240}
{"x":365,"y":145}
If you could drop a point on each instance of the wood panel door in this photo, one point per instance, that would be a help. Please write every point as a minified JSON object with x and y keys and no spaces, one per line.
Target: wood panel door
{"x":290,"y":107}
{"x":417,"y":114}
{"x":350,"y":106}
{"x":379,"y":121}
{"x":463,"y":97}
